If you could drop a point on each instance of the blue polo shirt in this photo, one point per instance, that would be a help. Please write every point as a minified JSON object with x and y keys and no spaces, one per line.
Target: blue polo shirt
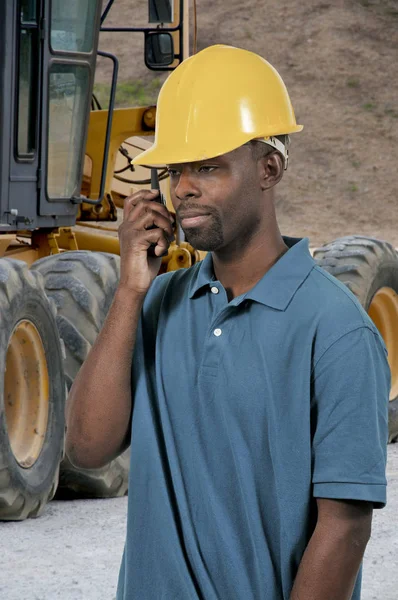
{"x":244,"y":413}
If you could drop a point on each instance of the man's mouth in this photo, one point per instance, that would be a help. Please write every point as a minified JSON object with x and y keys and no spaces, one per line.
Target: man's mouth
{"x":193,"y":221}
{"x":190,"y":219}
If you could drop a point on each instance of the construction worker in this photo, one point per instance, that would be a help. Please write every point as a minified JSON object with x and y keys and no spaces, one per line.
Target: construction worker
{"x":252,"y":387}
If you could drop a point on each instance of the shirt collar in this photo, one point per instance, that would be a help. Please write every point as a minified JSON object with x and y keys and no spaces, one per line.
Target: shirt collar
{"x":203,"y":277}
{"x":278,"y":286}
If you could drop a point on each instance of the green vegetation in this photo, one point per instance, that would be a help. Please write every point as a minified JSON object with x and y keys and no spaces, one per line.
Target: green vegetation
{"x":129,"y":93}
{"x":391,"y":113}
{"x":353,"y":187}
{"x":369,"y":106}
{"x":384,"y":7}
{"x":352,"y":82}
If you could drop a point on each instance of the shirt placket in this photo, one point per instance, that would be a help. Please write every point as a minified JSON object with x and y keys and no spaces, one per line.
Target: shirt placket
{"x":217,"y":335}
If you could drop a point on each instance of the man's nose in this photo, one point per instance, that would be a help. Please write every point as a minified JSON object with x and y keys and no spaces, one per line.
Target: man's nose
{"x":186,"y":186}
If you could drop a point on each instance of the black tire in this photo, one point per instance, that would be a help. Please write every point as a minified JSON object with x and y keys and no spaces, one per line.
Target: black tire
{"x":82,"y":285}
{"x":365,"y":265}
{"x":25,"y":488}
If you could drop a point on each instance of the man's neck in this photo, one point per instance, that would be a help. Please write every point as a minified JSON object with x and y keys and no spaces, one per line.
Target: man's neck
{"x":240,"y":272}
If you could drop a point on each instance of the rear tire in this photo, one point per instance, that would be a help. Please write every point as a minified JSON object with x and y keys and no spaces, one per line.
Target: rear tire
{"x":82,"y":285}
{"x":369,"y":268}
{"x":32,"y":394}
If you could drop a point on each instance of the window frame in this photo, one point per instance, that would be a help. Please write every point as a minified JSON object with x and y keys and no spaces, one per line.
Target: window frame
{"x":33,"y":116}
{"x":51,"y":205}
{"x":69,"y":53}
{"x":69,"y":63}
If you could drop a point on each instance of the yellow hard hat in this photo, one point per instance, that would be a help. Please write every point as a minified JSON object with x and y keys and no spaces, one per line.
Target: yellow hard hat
{"x":216,"y":101}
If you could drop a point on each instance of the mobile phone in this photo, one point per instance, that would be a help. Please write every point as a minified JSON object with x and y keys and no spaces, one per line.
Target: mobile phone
{"x":156,"y":186}
{"x":160,"y":198}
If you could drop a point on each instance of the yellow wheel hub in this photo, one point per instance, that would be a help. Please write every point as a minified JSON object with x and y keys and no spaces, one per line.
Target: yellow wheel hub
{"x":384,"y":313}
{"x":26,"y":393}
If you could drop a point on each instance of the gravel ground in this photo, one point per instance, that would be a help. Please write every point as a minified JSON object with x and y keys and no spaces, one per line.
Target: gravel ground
{"x":73,"y":551}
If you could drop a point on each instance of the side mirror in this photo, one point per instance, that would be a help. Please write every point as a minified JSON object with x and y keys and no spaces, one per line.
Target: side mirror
{"x":159,"y":50}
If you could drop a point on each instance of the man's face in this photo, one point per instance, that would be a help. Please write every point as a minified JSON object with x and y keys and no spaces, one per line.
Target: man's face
{"x":218,"y":202}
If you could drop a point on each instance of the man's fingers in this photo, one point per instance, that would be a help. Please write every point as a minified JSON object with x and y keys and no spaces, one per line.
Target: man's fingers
{"x":158,"y":238}
{"x":132,"y":201}
{"x":154,"y":219}
{"x":146,"y":223}
{"x":146,"y":214}
{"x":147,"y":206}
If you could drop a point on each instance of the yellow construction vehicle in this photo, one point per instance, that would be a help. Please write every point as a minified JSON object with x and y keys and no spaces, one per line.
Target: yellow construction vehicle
{"x":63,"y":169}
{"x":57,"y":280}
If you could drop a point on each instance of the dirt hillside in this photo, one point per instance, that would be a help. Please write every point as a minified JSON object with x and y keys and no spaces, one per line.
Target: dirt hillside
{"x":339,"y":62}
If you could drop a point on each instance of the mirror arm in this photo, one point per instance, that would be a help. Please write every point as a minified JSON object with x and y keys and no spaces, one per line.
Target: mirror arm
{"x":108,"y":129}
{"x":106,"y":10}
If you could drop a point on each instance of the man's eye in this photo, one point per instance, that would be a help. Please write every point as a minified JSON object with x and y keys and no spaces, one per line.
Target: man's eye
{"x":172,"y":172}
{"x":206,"y":169}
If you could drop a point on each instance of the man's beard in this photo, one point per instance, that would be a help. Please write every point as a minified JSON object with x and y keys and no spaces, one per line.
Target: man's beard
{"x":207,"y":238}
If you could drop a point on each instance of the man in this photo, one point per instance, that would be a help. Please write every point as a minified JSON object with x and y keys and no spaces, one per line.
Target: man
{"x":256,"y":401}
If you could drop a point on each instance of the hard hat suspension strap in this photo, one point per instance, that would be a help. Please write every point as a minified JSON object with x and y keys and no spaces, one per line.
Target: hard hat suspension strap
{"x":278,"y":145}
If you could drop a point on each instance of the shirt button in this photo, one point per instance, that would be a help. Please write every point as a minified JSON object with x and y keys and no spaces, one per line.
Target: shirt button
{"x":214,"y":290}
{"x":217,"y":332}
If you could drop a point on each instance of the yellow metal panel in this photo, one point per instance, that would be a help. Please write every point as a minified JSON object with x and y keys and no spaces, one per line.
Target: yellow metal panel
{"x":5,"y":240}
{"x":66,"y":238}
{"x":98,"y":242}
{"x":99,"y":227}
{"x":126,"y":123}
{"x":26,"y":253}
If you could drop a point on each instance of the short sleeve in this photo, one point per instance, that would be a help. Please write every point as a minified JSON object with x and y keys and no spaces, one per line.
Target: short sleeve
{"x":350,"y":393}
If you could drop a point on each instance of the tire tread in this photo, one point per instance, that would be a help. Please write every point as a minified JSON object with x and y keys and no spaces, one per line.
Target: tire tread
{"x":82,"y":285}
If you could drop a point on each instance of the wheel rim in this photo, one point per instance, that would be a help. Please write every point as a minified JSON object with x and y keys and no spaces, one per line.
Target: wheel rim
{"x":383,"y":311}
{"x":26,"y":393}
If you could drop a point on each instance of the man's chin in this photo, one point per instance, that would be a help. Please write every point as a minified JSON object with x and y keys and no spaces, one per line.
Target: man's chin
{"x":201,"y":242}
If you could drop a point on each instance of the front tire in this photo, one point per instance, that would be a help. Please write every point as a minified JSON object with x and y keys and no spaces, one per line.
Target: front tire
{"x":369,"y":268}
{"x":82,"y":285}
{"x":32,"y":394}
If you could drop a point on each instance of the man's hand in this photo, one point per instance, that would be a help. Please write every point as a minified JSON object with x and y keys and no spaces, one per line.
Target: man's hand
{"x":330,"y":564}
{"x":145,"y":222}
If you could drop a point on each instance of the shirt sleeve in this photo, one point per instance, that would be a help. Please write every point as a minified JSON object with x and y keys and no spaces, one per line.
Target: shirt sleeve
{"x":351,"y":386}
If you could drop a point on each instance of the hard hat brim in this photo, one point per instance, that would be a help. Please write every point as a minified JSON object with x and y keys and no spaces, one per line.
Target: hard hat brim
{"x":157,"y":156}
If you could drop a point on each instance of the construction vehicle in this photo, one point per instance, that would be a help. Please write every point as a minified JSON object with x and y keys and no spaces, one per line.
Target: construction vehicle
{"x":63,"y":169}
{"x":57,"y":283}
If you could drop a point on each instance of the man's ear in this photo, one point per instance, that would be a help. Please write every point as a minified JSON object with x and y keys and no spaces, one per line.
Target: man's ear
{"x":270,"y":169}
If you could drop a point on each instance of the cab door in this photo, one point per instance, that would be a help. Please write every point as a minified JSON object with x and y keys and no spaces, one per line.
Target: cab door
{"x":69,"y":55}
{"x":24,"y":86}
